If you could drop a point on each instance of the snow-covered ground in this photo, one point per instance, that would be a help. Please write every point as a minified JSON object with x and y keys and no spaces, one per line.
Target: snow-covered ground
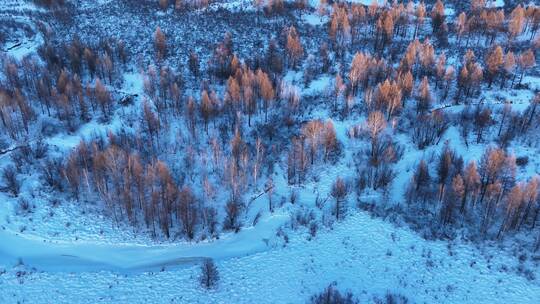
{"x":363,"y":254}
{"x":495,"y":3}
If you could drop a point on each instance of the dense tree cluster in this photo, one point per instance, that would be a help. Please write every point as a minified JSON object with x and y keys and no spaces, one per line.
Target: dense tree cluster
{"x":456,"y":191}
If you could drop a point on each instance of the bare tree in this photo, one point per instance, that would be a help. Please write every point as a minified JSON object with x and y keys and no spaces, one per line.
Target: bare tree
{"x":420,"y":187}
{"x":269,"y":188}
{"x":312,"y":132}
{"x":375,"y":124}
{"x":232,"y":210}
{"x":104,"y":98}
{"x":188,"y":211}
{"x":193,"y":62}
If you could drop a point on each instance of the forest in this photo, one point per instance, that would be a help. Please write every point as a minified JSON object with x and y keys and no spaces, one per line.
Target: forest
{"x":210,"y":125}
{"x":187,"y":121}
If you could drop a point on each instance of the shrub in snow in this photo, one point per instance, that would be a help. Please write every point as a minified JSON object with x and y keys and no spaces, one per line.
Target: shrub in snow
{"x":23,"y":206}
{"x":392,"y":298}
{"x":330,"y":295}
{"x":209,"y":274}
{"x":9,"y":179}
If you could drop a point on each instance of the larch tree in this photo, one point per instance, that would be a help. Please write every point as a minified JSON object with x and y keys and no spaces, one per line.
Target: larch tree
{"x":420,"y":15}
{"x":509,"y":68}
{"x":188,"y":211}
{"x":516,"y":23}
{"x":530,"y":197}
{"x":526,"y":61}
{"x":103,"y":97}
{"x":438,"y":19}
{"x":160,"y":42}
{"x":388,"y":97}
{"x":339,"y":89}
{"x":250,"y":104}
{"x":375,"y":124}
{"x":423,"y":96}
{"x":449,"y":76}
{"x":359,"y":70}
{"x":163,"y":4}
{"x":152,"y":121}
{"x":514,"y":202}
{"x":455,"y":194}
{"x":207,"y":109}
{"x":329,"y":139}
{"x":406,"y":83}
{"x":506,"y":111}
{"x":294,"y":47}
{"x":477,"y":6}
{"x":493,"y":165}
{"x":471,"y":183}
{"x":340,"y":29}
{"x":531,"y":110}
{"x":107,"y":66}
{"x":191,"y":120}
{"x":193,"y":63}
{"x":461,"y":26}
{"x":494,"y":62}
{"x":494,"y":21}
{"x":266,"y":91}
{"x":91,"y":61}
{"x":444,"y":167}
{"x":482,"y":120}
{"x":427,"y":57}
{"x":233,"y":96}
{"x":440,"y":69}
{"x":385,"y":26}
{"x":312,"y":132}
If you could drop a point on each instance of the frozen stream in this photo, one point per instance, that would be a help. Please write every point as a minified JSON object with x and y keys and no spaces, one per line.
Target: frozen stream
{"x":65,"y":256}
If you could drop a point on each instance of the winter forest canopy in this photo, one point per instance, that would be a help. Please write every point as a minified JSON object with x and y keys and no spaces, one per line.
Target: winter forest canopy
{"x":246,"y":125}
